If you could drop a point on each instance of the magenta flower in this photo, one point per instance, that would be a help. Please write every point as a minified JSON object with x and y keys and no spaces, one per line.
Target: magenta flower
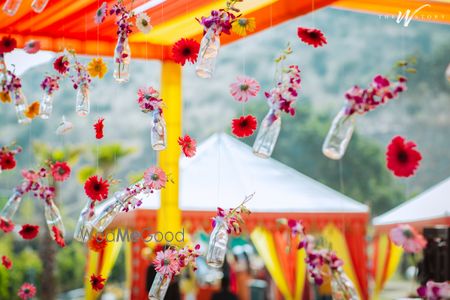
{"x":244,"y":88}
{"x":100,"y":14}
{"x":149,"y":100}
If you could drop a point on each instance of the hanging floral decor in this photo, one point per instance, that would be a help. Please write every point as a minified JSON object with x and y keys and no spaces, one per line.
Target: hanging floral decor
{"x":244,"y":126}
{"x":7,"y":157}
{"x":280,"y":99}
{"x":408,"y":238}
{"x":32,"y":46}
{"x":64,"y":126}
{"x":49,"y":85}
{"x":39,"y":184}
{"x":244,"y":88}
{"x":6,"y":262}
{"x":98,"y":127}
{"x":218,"y":22}
{"x":143,"y":23}
{"x":14,"y":88}
{"x":188,"y":145}
{"x":27,"y":291}
{"x":149,"y":101}
{"x":97,"y":282}
{"x":168,"y":263}
{"x":101,"y":13}
{"x":311,"y":36}
{"x":185,"y":50}
{"x":434,"y":290}
{"x":402,"y":157}
{"x":224,"y":224}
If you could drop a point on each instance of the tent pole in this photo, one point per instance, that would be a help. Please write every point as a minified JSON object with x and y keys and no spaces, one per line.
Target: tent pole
{"x":169,"y":214}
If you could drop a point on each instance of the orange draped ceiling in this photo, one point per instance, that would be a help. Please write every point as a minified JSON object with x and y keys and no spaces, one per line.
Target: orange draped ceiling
{"x":70,"y":24}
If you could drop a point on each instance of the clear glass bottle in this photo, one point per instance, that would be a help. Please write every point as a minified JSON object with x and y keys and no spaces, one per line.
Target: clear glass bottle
{"x":342,"y":287}
{"x":158,"y":131}
{"x":39,"y":5}
{"x":111,"y":209}
{"x":122,"y":58}
{"x":267,"y":134}
{"x":53,"y":217}
{"x":339,"y":136}
{"x":83,"y":105}
{"x":218,"y":242}
{"x":46,"y":105}
{"x":20,"y":103}
{"x":3,"y":70}
{"x":11,"y":7}
{"x":159,"y":286}
{"x":83,"y":228}
{"x":209,"y":50}
{"x":11,"y":206}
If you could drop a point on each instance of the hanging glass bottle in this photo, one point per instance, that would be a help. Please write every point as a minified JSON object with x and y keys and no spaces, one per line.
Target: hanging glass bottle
{"x":11,"y":7}
{"x":53,"y":217}
{"x":218,"y":241}
{"x":209,"y":49}
{"x":3,"y":70}
{"x":83,"y":228}
{"x":39,"y":5}
{"x":341,"y":286}
{"x":158,"y":131}
{"x":46,"y":105}
{"x":122,"y":58}
{"x":11,"y":205}
{"x":159,"y":286}
{"x":339,"y":136}
{"x":20,"y":103}
{"x":267,"y":134}
{"x":83,"y":105}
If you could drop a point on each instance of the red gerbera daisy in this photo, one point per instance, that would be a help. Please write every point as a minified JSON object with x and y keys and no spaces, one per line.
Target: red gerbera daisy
{"x":185,"y":50}
{"x":61,"y":64}
{"x":59,"y":239}
{"x":99,"y":128}
{"x":6,"y":262}
{"x":244,"y":126}
{"x":188,"y":145}
{"x":97,"y":282}
{"x":402,"y":158}
{"x":7,"y":161}
{"x":6,"y":225}
{"x":311,"y":36}
{"x":29,"y":232}
{"x":97,"y":243}
{"x":96,"y":188}
{"x":7,"y":44}
{"x":60,"y":171}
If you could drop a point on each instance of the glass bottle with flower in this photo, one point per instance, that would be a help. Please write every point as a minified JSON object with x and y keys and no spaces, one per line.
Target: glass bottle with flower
{"x":169,"y":263}
{"x":122,"y":52}
{"x":11,"y":7}
{"x":49,"y":85}
{"x":83,"y":228}
{"x":20,"y":102}
{"x":81,"y":82}
{"x":39,"y":5}
{"x":280,"y":99}
{"x":359,"y":101}
{"x":150,"y":102}
{"x":224,"y":223}
{"x":9,"y":209}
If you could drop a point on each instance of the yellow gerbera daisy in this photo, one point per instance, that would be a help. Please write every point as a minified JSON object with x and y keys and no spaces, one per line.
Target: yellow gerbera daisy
{"x":4,"y":97}
{"x":243,"y":25}
{"x":32,"y":110}
{"x":97,"y":68}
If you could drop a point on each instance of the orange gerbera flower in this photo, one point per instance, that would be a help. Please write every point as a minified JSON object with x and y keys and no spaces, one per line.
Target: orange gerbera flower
{"x":4,"y":97}
{"x":97,"y":243}
{"x":32,"y":110}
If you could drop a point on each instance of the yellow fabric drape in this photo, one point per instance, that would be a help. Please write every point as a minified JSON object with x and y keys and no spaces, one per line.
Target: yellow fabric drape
{"x":301,"y":274}
{"x":338,"y":243}
{"x":105,"y":264}
{"x":128,"y":262}
{"x":264,"y":243}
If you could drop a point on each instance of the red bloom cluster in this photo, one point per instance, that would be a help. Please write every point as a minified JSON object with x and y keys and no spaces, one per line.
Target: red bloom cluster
{"x":29,"y":232}
{"x":188,"y":145}
{"x":60,"y":171}
{"x":58,"y":237}
{"x":6,"y":225}
{"x":61,"y":64}
{"x":185,"y":50}
{"x":97,"y":282}
{"x":7,"y":158}
{"x":7,"y":44}
{"x":97,"y":243}
{"x":96,"y":188}
{"x":6,"y":262}
{"x":311,"y":36}
{"x":379,"y":92}
{"x":98,"y":126}
{"x":402,"y":157}
{"x":244,"y":126}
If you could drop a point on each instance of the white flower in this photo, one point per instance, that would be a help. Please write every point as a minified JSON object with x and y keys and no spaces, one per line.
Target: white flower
{"x":143,"y":23}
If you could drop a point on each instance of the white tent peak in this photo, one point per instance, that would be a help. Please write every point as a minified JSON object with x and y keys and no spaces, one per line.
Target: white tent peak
{"x":431,"y":204}
{"x":225,"y":170}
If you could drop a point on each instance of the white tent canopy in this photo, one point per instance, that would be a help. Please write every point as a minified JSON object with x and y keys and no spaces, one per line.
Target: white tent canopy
{"x":225,"y":170}
{"x":432,"y":204}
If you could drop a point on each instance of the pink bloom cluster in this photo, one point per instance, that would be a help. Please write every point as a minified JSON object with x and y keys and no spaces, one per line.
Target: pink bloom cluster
{"x":434,"y":290}
{"x":81,"y":76}
{"x":149,"y":100}
{"x":316,"y":259}
{"x":298,"y":229}
{"x":172,"y":261}
{"x":408,"y":238}
{"x":219,"y":21}
{"x":13,"y":84}
{"x":379,"y":92}
{"x":233,"y":217}
{"x":244,"y":88}
{"x":50,"y":84}
{"x":123,"y":28}
{"x":282,"y":97}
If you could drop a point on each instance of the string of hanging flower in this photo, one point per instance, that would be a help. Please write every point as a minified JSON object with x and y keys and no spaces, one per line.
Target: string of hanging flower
{"x":219,"y":21}
{"x":41,"y":184}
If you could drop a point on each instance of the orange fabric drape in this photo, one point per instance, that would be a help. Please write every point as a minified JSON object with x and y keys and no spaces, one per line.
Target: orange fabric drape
{"x":356,"y":243}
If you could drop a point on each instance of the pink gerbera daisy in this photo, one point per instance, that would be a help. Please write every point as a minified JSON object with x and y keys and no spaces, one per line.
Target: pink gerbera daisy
{"x":408,"y":238}
{"x":188,"y":145}
{"x":60,"y":171}
{"x":155,"y":178}
{"x":32,"y":46}
{"x":166,"y":262}
{"x":27,"y":291}
{"x":244,"y":88}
